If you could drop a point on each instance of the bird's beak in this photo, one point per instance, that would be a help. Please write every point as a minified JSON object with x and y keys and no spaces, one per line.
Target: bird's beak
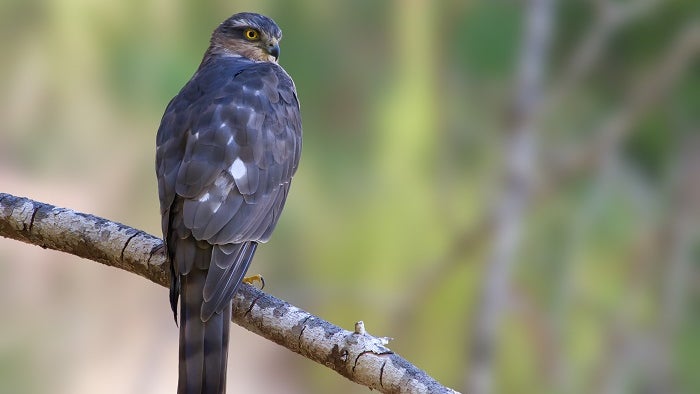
{"x":274,"y":50}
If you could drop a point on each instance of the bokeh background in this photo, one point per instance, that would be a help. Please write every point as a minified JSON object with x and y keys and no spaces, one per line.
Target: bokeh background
{"x":413,"y":115}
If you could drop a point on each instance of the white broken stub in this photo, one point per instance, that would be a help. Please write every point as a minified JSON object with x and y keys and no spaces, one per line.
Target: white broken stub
{"x":360,"y":330}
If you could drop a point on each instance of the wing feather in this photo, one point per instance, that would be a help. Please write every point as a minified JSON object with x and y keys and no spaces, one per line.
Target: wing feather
{"x":227,"y":148}
{"x":250,"y":138}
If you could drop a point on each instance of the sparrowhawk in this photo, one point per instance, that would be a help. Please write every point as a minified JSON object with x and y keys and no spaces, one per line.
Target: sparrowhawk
{"x":227,"y":148}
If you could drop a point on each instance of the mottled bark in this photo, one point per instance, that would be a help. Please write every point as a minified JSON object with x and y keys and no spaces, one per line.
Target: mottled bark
{"x":360,"y":357}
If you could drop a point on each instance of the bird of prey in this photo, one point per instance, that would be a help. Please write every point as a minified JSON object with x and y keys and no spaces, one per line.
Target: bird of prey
{"x":227,"y":148}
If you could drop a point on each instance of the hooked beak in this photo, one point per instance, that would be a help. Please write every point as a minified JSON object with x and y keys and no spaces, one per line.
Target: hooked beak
{"x":273,"y":49}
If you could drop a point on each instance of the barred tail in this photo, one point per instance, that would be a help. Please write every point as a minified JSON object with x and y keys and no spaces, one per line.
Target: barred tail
{"x":203,"y":344}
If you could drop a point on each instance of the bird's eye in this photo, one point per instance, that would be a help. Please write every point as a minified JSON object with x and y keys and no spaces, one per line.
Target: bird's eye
{"x":251,"y":34}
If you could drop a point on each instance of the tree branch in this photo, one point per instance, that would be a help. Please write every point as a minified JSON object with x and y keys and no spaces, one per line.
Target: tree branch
{"x":360,"y":357}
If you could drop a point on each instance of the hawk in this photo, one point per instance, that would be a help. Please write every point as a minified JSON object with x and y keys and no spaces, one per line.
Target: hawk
{"x":227,"y":147}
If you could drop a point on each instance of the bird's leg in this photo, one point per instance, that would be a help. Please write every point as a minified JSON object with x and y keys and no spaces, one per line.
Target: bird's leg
{"x":251,"y":280}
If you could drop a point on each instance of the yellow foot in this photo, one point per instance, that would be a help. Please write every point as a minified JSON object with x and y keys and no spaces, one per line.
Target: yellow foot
{"x":255,"y":278}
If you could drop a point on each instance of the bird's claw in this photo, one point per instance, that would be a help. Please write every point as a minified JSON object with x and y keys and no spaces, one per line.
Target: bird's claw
{"x":251,"y":280}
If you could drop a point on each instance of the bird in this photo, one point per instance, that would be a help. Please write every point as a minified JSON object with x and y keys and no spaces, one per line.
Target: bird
{"x":227,"y":147}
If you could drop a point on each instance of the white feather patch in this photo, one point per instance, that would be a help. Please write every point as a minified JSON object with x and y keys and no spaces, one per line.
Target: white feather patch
{"x":237,"y":169}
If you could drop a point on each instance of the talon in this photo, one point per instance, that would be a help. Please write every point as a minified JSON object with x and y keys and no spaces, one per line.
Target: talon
{"x":255,"y":278}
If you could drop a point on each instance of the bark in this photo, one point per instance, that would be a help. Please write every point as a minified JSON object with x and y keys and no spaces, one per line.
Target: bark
{"x":360,"y":357}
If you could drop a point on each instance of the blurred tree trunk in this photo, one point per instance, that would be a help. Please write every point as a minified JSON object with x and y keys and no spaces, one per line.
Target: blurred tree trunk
{"x":511,"y":208}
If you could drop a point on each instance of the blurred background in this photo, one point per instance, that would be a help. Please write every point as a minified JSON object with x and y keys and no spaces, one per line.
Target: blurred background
{"x":510,"y":190}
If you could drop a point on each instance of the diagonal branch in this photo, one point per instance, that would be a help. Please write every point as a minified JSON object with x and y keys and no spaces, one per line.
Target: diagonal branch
{"x":360,"y":357}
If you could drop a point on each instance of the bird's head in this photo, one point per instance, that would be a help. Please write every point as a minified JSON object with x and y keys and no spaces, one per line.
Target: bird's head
{"x":247,"y":34}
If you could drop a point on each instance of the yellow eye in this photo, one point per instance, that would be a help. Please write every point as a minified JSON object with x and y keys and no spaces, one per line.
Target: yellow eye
{"x":251,"y":34}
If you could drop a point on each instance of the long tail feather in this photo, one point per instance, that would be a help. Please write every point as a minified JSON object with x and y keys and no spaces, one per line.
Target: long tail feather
{"x":203,"y":345}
